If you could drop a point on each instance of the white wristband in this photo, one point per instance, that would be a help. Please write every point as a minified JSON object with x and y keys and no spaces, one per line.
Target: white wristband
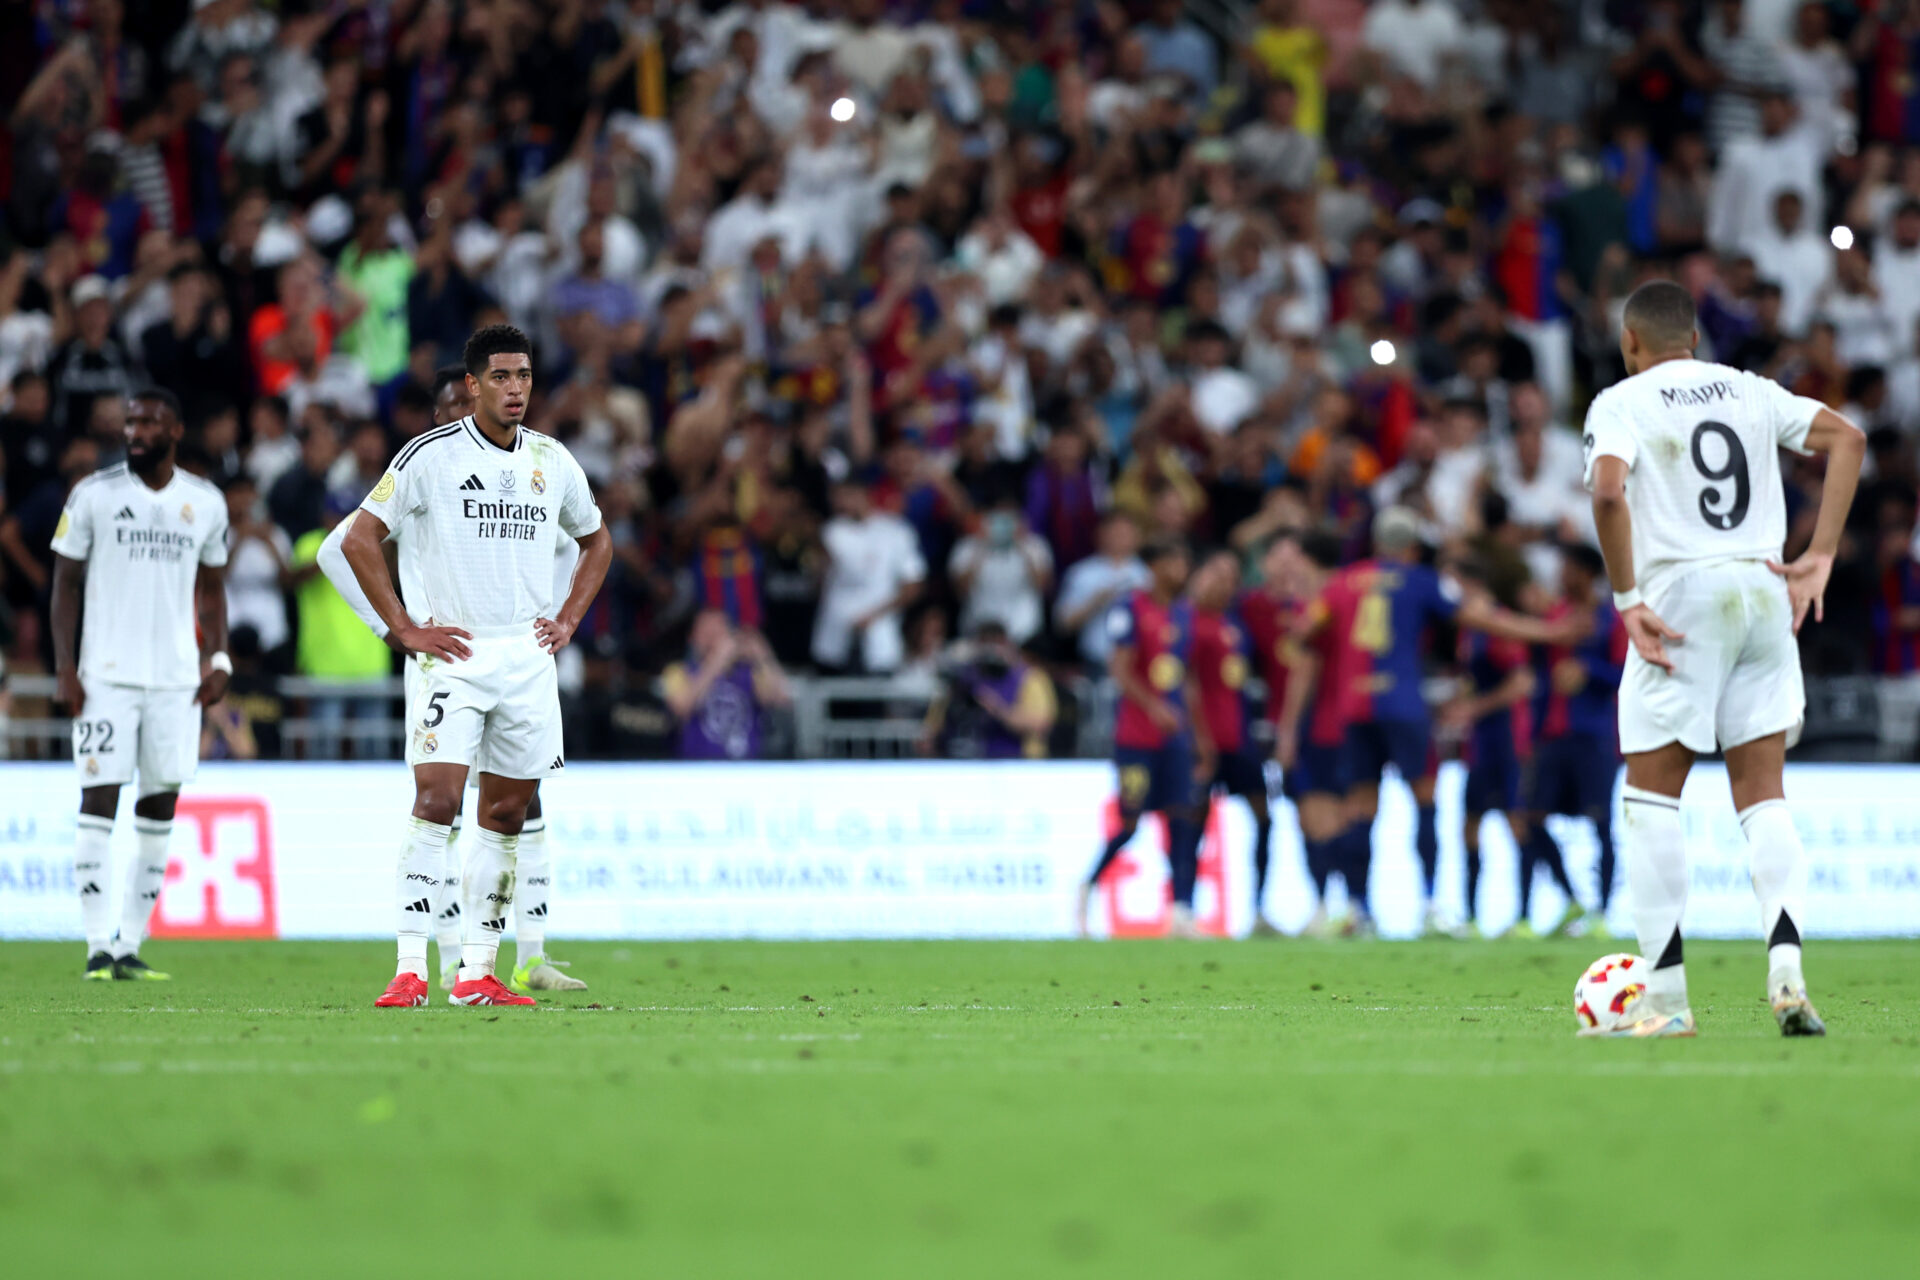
{"x":1625,"y":600}
{"x":220,"y":662}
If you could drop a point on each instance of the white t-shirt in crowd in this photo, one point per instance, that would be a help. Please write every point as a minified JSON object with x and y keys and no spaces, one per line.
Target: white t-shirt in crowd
{"x":1701,"y":443}
{"x":1413,"y":38}
{"x":869,"y":561}
{"x":143,"y":550}
{"x":1002,"y":590}
{"x":255,"y":597}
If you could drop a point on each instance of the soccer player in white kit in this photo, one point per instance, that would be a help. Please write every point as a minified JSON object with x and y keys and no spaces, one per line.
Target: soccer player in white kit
{"x":1690,"y":505}
{"x":488,"y":501}
{"x":147,"y":543}
{"x":533,"y":969}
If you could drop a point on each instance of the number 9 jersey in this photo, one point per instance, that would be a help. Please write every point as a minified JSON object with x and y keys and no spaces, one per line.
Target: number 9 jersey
{"x":1703,"y":477}
{"x":1708,"y":505}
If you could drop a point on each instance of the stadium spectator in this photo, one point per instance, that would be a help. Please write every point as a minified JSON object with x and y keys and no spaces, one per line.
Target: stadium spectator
{"x":1002,"y":574}
{"x":993,"y":704}
{"x":93,"y":364}
{"x":874,"y":570}
{"x":1096,"y":584}
{"x":721,"y":692}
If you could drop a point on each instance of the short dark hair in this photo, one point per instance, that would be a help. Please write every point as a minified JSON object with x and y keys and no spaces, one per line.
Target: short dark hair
{"x":1323,"y":549}
{"x":161,"y":396}
{"x":1585,"y":558}
{"x":22,"y":377}
{"x":445,"y":376}
{"x":494,"y":340}
{"x":1661,"y":314}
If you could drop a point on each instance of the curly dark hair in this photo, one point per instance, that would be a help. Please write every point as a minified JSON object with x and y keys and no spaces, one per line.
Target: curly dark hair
{"x":494,"y":340}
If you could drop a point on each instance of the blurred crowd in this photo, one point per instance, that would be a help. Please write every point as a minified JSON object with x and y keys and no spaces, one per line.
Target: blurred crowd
{"x":883,"y":326}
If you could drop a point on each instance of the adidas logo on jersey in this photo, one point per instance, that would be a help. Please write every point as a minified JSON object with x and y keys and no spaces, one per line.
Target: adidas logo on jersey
{"x":472,"y":485}
{"x":558,"y":763}
{"x":421,"y":905}
{"x":125,"y":513}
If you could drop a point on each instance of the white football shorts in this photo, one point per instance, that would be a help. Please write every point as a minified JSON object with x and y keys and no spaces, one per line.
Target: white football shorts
{"x":1736,"y":676}
{"x":122,"y":728}
{"x":496,"y":712}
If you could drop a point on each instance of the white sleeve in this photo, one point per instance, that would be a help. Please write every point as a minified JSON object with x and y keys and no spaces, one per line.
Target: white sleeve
{"x":1608,"y":435}
{"x":332,"y":559}
{"x":1788,"y":417}
{"x":213,"y":552}
{"x":73,"y":536}
{"x":578,"y":514}
{"x":402,"y":490}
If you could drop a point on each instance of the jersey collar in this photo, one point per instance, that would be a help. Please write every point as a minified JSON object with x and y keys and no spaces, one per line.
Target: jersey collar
{"x":480,"y":437}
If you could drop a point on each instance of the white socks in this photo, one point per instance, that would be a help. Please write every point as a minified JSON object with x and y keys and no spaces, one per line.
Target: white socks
{"x":532,"y":886}
{"x":1780,"y":882}
{"x":144,"y":878}
{"x":1653,"y":845}
{"x":92,"y":862}
{"x":486,"y":895}
{"x":446,"y":904}
{"x":423,"y":856}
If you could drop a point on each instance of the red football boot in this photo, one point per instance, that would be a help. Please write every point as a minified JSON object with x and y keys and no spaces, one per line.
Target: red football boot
{"x":485,"y":990}
{"x":406,"y":991}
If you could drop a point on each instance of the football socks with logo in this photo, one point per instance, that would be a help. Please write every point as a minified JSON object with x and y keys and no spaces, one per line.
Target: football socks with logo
{"x":1780,"y":882}
{"x":1653,"y":844}
{"x":1426,"y":841}
{"x":532,"y":885}
{"x":92,"y":863}
{"x":486,"y":891}
{"x":423,"y":857}
{"x":144,"y":879}
{"x":446,"y":904}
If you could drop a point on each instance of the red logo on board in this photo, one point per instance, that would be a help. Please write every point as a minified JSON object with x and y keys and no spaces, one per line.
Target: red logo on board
{"x":219,"y":872}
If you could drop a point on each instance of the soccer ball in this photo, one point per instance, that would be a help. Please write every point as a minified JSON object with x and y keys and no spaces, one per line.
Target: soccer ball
{"x":1608,"y":993}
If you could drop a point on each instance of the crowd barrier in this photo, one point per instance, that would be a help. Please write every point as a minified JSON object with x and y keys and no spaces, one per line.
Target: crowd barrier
{"x":885,"y":850}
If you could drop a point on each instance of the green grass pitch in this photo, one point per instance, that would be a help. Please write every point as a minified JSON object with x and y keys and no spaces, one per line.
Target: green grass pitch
{"x":954,"y":1109}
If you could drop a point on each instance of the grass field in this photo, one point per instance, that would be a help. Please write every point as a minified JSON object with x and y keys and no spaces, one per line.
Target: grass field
{"x":954,"y":1109}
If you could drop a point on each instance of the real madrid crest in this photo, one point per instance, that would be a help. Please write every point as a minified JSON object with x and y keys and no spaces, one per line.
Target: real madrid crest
{"x":507,"y":480}
{"x":429,"y":744}
{"x":186,"y":512}
{"x":539,"y":481}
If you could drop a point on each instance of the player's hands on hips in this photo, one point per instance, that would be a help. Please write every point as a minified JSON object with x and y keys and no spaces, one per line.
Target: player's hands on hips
{"x":434,"y":642}
{"x":1649,"y":636}
{"x":553,"y":633}
{"x":1806,"y":585}
{"x":68,"y":692}
{"x":213,"y":687}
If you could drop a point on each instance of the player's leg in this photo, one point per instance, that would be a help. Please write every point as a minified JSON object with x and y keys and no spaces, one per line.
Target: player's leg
{"x":1366,"y":759}
{"x":1544,"y":851}
{"x":1470,"y":846}
{"x":1654,"y":844}
{"x":1135,"y":779}
{"x":1593,"y":799}
{"x":105,"y":737}
{"x":533,"y":969}
{"x":168,"y":756}
{"x":1262,"y":811}
{"x":93,"y":873}
{"x":1756,"y":771}
{"x":418,"y":875}
{"x":1410,"y":748}
{"x":1184,"y":800}
{"x":446,"y":903}
{"x":487,"y":884}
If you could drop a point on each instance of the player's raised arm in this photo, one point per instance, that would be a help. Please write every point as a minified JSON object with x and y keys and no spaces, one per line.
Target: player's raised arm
{"x":1845,"y":447}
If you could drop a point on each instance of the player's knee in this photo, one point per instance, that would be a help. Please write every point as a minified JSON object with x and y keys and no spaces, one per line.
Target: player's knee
{"x":437,"y":805}
{"x":100,"y":802}
{"x":505,"y":814}
{"x":533,"y":805}
{"x":157,"y":805}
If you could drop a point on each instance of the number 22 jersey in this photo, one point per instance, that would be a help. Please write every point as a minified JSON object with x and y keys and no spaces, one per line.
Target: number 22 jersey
{"x":1703,"y":477}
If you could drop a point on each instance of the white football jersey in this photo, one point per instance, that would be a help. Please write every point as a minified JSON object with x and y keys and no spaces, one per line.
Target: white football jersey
{"x":143,"y":549}
{"x":1701,"y":445}
{"x":332,"y":558}
{"x":480,"y":526}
